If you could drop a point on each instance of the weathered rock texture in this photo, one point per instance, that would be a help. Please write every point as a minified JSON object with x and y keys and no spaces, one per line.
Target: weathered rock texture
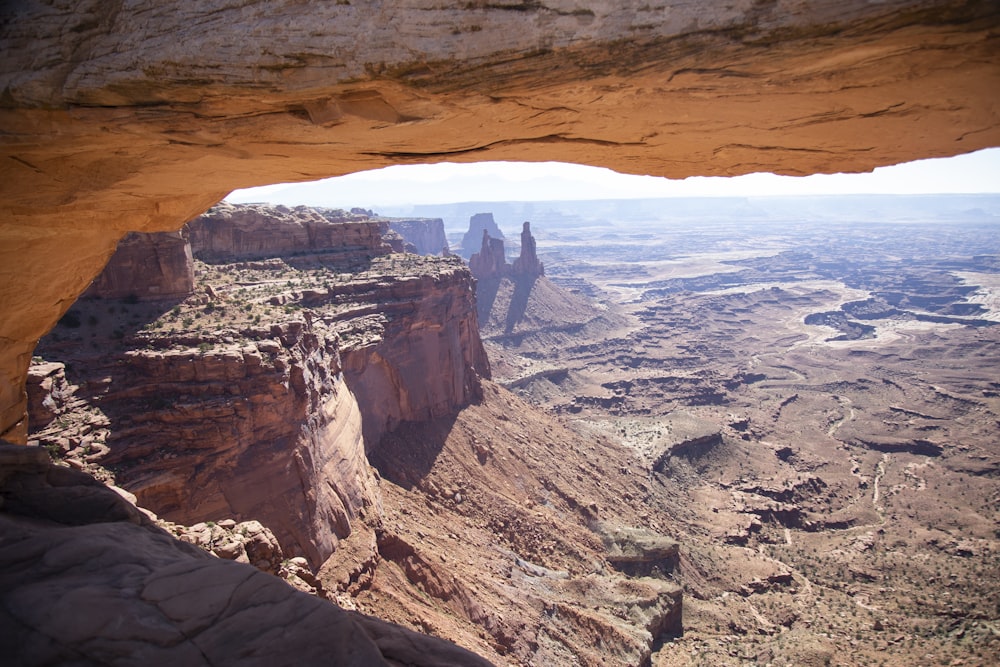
{"x":239,"y":401}
{"x":490,"y":263}
{"x":263,"y":428}
{"x":81,"y":564}
{"x":411,"y":347}
{"x":147,"y":266}
{"x":228,"y":233}
{"x":137,"y":118}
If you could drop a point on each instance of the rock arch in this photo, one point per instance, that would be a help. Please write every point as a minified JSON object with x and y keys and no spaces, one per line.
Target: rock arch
{"x":138,"y":116}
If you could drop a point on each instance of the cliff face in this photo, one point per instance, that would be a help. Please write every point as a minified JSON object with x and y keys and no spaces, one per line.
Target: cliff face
{"x":262,"y":427}
{"x":426,"y":234}
{"x":112,"y":125}
{"x":240,"y":400}
{"x":147,"y":266}
{"x":420,"y":356}
{"x":227,"y":233}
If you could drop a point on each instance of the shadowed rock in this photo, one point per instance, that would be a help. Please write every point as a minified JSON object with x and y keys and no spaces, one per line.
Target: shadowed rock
{"x":86,"y":579}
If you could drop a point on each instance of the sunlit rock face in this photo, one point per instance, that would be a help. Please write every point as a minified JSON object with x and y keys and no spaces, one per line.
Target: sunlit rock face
{"x":138,"y":117}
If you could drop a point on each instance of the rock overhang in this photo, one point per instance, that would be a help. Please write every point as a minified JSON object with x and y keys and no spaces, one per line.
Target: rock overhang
{"x":121,"y":118}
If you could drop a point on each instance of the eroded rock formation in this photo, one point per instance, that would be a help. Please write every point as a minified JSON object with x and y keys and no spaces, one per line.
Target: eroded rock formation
{"x":147,"y":266}
{"x":202,"y":429}
{"x":490,"y":263}
{"x":527,"y":263}
{"x":481,"y":226}
{"x":113,"y":124}
{"x":420,"y":356}
{"x":80,"y":563}
{"x":236,"y":402}
{"x":426,"y":234}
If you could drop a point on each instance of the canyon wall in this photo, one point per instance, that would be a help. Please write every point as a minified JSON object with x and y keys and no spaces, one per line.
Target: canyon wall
{"x":426,"y":234}
{"x":228,"y":233}
{"x":255,"y":423}
{"x":421,"y":356}
{"x":132,"y":117}
{"x":242,"y":399}
{"x":147,"y":266}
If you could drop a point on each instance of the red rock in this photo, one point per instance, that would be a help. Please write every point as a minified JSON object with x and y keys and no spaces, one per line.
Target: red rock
{"x":147,"y":266}
{"x":110,"y":588}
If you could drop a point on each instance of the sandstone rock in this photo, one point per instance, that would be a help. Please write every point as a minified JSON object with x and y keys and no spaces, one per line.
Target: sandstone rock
{"x":639,"y":552}
{"x":267,"y":431}
{"x":269,"y":427}
{"x":111,"y":125}
{"x":527,"y":263}
{"x":480,"y":225}
{"x":107,"y":587}
{"x":490,"y":263}
{"x":397,"y":242}
{"x":147,"y":266}
{"x":426,"y":234}
{"x":228,"y":233}
{"x":421,"y":357}
{"x":245,"y":542}
{"x":48,"y":392}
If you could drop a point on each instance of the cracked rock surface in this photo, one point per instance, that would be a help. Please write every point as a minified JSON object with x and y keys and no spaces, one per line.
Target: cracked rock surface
{"x":87,"y":579}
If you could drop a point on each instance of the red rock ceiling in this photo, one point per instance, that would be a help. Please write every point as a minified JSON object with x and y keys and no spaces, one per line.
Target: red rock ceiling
{"x":122,"y":118}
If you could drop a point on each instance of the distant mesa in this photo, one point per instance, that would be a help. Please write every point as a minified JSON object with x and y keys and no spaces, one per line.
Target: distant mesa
{"x":478,"y":223}
{"x":229,"y":233}
{"x":426,"y":235}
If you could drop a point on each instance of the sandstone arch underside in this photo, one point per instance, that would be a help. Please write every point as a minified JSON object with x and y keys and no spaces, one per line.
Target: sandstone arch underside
{"x":139,"y":115}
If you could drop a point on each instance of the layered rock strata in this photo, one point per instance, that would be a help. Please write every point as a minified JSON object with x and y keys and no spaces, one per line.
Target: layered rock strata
{"x":111,"y":125}
{"x":229,"y":233}
{"x":416,"y":354}
{"x":243,"y":400}
{"x":261,"y":427}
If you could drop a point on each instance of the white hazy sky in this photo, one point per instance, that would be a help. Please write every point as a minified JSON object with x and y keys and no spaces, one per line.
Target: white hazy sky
{"x":540,"y":181}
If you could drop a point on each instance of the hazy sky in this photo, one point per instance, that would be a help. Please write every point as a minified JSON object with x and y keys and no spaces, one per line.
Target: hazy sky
{"x":540,"y":181}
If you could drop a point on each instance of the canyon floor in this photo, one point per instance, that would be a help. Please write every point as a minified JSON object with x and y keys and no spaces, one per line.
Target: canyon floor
{"x":820,"y":405}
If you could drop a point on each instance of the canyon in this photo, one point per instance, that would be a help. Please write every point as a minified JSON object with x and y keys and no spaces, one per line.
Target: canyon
{"x":812,"y":381}
{"x":137,"y":118}
{"x":112,"y":125}
{"x":319,"y":386}
{"x":654,"y":425}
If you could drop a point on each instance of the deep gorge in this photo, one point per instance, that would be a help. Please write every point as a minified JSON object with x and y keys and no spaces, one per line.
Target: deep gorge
{"x":134,"y":118}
